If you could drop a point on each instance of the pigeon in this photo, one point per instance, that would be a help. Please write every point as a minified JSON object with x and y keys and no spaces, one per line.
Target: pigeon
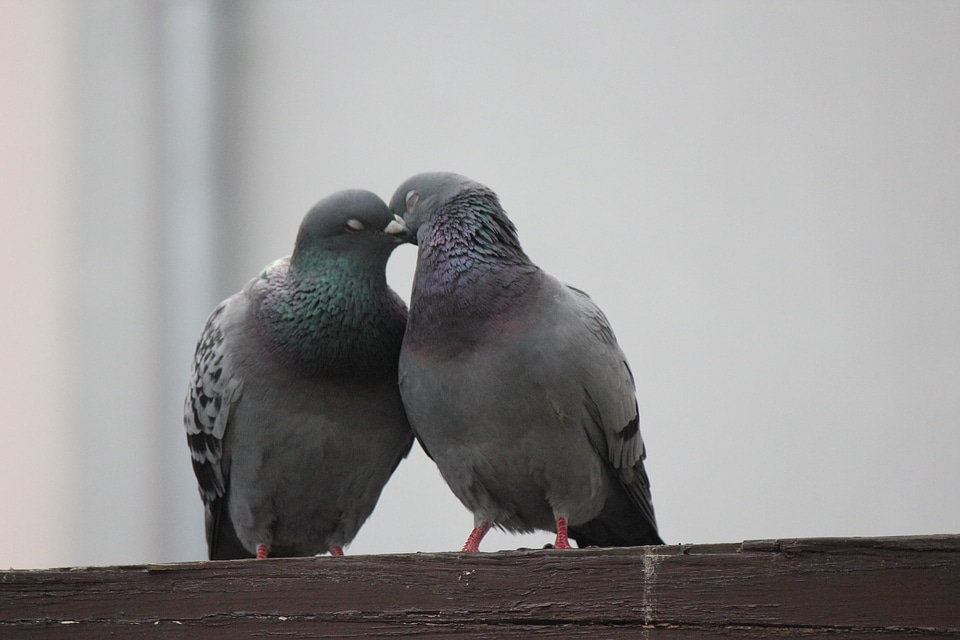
{"x":293,"y":415}
{"x":513,"y":382}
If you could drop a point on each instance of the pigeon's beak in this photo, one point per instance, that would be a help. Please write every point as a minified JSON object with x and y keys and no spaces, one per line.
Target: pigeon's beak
{"x":398,"y":228}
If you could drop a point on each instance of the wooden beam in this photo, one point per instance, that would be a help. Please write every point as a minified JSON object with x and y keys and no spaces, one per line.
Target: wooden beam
{"x":857,"y":587}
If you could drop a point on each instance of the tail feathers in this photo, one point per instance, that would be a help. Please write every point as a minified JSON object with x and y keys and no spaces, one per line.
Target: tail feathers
{"x":620,"y":524}
{"x":598,"y":533}
{"x":222,"y":540}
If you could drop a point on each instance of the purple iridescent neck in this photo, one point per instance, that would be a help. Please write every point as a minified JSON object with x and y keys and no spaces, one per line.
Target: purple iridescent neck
{"x":472,"y":274}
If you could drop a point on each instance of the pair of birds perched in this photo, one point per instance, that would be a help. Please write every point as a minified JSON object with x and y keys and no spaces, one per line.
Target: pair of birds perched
{"x":512,"y":382}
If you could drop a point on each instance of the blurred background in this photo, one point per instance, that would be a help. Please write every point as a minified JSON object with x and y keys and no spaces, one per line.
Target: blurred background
{"x":763,"y":197}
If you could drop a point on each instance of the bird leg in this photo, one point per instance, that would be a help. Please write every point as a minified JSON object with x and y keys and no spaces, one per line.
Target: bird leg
{"x":336,"y":550}
{"x":262,"y":551}
{"x":562,"y":541}
{"x":473,"y":542}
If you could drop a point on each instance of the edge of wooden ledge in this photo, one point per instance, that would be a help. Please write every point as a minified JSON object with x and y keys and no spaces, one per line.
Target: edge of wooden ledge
{"x":945,"y":542}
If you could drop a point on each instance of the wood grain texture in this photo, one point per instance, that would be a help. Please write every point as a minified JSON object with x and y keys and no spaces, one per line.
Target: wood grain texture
{"x":860,"y":587}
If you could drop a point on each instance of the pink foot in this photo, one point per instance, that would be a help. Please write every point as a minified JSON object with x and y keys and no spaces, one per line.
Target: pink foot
{"x":262,"y":551}
{"x":336,"y":550}
{"x":473,"y":542}
{"x":562,"y":541}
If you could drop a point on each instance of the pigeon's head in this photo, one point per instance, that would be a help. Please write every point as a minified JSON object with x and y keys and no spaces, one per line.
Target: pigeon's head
{"x":353,"y":221}
{"x":417,"y":201}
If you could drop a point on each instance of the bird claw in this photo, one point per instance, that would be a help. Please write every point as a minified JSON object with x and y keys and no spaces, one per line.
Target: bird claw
{"x":562,"y":541}
{"x":473,"y":541}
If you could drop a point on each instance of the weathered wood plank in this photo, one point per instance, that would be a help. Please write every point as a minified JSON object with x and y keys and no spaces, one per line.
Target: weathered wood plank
{"x":867,"y":587}
{"x":313,"y":629}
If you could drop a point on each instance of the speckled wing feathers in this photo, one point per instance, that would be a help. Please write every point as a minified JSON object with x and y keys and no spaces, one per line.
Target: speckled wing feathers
{"x":212,"y":394}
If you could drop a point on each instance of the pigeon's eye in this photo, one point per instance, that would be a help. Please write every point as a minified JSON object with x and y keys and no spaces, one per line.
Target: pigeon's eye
{"x":354,"y":225}
{"x":412,"y":199}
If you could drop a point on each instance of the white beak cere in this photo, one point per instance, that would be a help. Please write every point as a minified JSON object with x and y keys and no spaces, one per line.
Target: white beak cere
{"x":397,"y":225}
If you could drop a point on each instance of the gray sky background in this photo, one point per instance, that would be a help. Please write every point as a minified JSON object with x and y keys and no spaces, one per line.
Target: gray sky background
{"x":764,"y":198}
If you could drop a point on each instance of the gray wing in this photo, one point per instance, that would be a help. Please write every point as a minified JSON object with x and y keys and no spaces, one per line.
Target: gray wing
{"x":213,"y":393}
{"x":611,"y":403}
